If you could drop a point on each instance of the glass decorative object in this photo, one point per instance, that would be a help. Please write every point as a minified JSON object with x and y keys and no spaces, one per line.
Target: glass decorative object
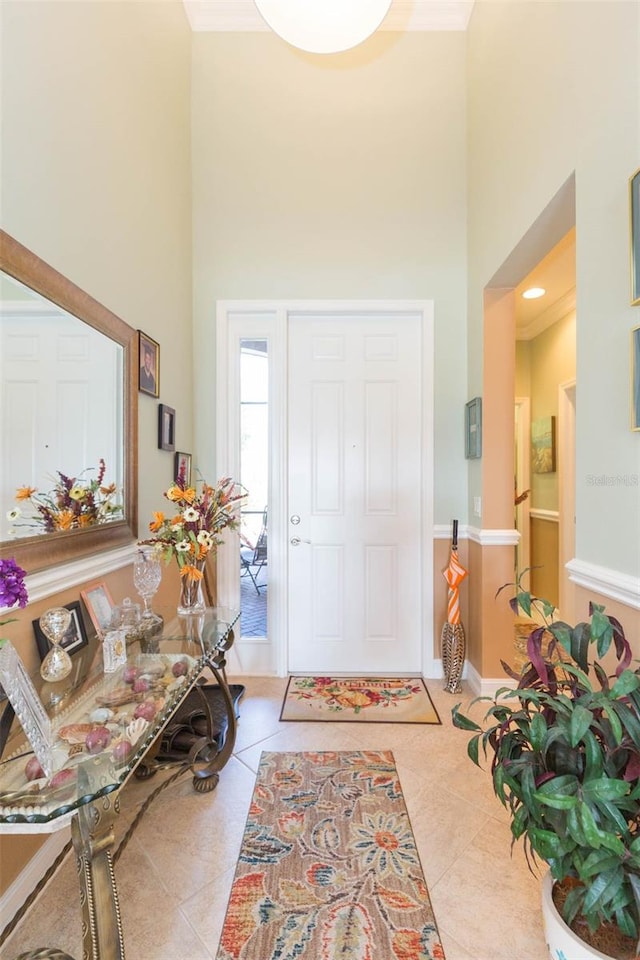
{"x":191,"y":596}
{"x":57,"y":664}
{"x":28,"y":708}
{"x":147,"y":574}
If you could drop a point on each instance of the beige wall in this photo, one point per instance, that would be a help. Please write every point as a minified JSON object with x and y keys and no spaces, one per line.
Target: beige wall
{"x":95,"y":180}
{"x":554,"y":88}
{"x":95,"y":175}
{"x":335,"y":177}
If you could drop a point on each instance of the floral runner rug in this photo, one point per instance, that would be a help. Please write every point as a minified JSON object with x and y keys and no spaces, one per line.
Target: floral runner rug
{"x":328,"y":867}
{"x":369,"y":699}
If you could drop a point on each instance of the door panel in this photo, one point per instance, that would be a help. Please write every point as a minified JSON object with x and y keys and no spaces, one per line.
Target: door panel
{"x":354,"y":443}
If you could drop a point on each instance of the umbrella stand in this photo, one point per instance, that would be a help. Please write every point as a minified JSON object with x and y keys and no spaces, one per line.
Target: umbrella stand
{"x":453,"y":643}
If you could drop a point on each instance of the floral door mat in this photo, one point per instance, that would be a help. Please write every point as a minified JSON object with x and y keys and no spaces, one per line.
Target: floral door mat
{"x":364,"y":699}
{"x":328,"y":865}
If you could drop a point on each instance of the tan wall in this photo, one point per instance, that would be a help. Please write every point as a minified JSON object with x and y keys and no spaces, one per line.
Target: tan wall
{"x":545,"y":559}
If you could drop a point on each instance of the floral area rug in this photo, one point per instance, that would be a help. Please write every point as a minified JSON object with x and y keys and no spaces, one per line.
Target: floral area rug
{"x":328,"y":867}
{"x":376,"y":700}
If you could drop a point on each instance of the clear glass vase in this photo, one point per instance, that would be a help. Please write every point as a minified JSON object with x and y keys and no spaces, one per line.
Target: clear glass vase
{"x":191,"y":595}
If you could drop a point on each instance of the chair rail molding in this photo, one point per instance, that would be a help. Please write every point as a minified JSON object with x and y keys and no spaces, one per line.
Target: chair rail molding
{"x":493,"y":538}
{"x":610,"y":583}
{"x":552,"y":516}
{"x":46,"y":582}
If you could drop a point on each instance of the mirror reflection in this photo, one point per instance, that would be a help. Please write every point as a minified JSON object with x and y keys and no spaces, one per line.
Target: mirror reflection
{"x":68,"y":417}
{"x":62,"y":418}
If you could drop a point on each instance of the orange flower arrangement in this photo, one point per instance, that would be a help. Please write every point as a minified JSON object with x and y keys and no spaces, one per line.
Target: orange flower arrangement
{"x":195,"y":529}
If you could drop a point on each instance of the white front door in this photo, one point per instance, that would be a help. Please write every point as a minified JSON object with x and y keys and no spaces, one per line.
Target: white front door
{"x":354,"y":513}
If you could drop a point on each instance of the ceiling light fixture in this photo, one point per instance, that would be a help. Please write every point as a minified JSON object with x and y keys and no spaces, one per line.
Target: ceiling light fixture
{"x":323,"y":26}
{"x":533,"y":293}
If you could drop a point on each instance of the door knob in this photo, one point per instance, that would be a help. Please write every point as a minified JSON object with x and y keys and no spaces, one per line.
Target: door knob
{"x":296,"y":541}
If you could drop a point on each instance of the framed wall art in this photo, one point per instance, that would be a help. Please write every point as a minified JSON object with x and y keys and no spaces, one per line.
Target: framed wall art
{"x":182,"y":468}
{"x":166,"y":427}
{"x":99,"y":604}
{"x":148,"y":365}
{"x":473,"y":429}
{"x":543,"y":445}
{"x":634,"y":226}
{"x":635,"y":378}
{"x":74,"y":638}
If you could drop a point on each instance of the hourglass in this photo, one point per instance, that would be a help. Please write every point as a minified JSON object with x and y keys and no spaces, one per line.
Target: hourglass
{"x":57,"y":663}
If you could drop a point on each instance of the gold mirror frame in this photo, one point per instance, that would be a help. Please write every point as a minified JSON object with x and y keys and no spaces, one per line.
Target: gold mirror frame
{"x":46,"y":550}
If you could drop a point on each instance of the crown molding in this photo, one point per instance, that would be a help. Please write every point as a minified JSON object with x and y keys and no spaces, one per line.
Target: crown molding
{"x":556,"y":311}
{"x":241,"y":16}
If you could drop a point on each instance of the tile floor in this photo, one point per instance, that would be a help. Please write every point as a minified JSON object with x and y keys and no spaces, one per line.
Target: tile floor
{"x":174,"y":877}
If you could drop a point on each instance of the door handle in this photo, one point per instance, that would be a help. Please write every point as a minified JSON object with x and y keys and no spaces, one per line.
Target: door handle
{"x":296,"y":541}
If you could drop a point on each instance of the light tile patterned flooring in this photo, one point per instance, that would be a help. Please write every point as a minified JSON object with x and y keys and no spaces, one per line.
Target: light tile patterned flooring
{"x":175,"y":875}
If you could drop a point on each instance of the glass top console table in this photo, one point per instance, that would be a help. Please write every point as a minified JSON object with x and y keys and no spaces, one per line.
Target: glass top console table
{"x":126,"y":713}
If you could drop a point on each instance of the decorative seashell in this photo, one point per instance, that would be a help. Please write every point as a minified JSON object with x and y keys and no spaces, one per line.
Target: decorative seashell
{"x":176,"y":684}
{"x":118,"y":697}
{"x":136,"y":728}
{"x":101,"y":715}
{"x":75,"y":732}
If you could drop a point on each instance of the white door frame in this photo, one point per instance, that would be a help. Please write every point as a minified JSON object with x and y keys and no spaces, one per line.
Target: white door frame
{"x":269,"y":319}
{"x":523,"y":473}
{"x":566,"y":496}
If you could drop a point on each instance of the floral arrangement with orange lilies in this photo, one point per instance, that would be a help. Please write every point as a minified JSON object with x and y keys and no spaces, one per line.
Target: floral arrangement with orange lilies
{"x":72,"y":504}
{"x":195,"y":529}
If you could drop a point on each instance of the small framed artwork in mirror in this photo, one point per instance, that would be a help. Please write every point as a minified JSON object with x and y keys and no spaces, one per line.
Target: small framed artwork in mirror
{"x":148,"y":365}
{"x":99,"y":604}
{"x":182,"y":469}
{"x":166,"y":427}
{"x":74,"y":638}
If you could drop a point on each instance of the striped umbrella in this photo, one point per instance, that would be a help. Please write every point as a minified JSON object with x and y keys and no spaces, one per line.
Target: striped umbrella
{"x":453,"y":640}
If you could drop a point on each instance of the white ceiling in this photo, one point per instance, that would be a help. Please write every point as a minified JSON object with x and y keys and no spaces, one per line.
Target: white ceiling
{"x":404,"y":15}
{"x":556,"y":273}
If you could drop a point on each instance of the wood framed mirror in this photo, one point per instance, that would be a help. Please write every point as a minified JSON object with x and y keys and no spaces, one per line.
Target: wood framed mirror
{"x":69,"y":370}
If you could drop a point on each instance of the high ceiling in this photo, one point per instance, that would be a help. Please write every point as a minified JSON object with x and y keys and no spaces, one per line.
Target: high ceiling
{"x":405,"y":15}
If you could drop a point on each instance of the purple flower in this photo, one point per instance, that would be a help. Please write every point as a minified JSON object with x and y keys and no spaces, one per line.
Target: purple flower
{"x":12,"y":588}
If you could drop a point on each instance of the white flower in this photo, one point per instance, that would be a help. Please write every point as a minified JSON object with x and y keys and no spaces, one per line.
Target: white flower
{"x":14,"y":513}
{"x":190,"y":515}
{"x":183,"y":546}
{"x":205,"y":539}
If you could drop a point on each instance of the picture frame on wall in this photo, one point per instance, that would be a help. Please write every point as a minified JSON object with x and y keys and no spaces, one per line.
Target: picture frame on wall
{"x":634,"y":227}
{"x":543,"y":445}
{"x":166,"y":427}
{"x":635,"y":378}
{"x":473,"y":429}
{"x":99,"y":606}
{"x":182,"y":468}
{"x":148,"y":365}
{"x":74,"y":638}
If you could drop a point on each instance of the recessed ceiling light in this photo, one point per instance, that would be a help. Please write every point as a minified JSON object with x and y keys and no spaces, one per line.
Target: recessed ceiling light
{"x":533,"y":293}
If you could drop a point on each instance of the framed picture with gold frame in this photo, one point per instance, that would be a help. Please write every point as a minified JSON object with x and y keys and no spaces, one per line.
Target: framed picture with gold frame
{"x":634,"y":226}
{"x":635,"y":378}
{"x":99,"y":605}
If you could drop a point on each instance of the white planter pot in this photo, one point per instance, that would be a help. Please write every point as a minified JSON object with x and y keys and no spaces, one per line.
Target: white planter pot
{"x":562,"y":942}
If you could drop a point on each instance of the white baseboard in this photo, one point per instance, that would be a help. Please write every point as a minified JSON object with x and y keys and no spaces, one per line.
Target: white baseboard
{"x":609,"y":583}
{"x":28,"y":879}
{"x":486,"y":686}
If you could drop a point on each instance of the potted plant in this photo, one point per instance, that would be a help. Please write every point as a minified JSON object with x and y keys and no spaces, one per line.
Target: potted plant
{"x":564,"y":747}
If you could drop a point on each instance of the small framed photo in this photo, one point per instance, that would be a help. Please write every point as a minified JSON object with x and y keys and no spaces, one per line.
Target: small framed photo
{"x":634,"y":226}
{"x":148,"y":365}
{"x":166,"y":427}
{"x":74,"y":638}
{"x":182,"y":468}
{"x":635,"y":378}
{"x":99,"y":604}
{"x":473,"y":429}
